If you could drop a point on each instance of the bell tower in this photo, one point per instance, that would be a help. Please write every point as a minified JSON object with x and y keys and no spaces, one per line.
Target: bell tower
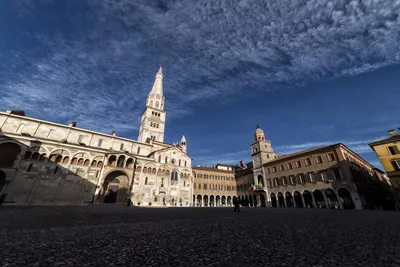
{"x":152,"y":125}
{"x":261,"y":149}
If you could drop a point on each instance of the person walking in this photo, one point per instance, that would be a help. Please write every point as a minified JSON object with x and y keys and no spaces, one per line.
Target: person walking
{"x":128,"y":202}
{"x":236,"y":205}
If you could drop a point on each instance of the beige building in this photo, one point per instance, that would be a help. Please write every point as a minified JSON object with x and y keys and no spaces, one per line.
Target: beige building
{"x":214,"y":186}
{"x":45,"y":163}
{"x":388,"y":152}
{"x":323,"y":177}
{"x":244,"y":181}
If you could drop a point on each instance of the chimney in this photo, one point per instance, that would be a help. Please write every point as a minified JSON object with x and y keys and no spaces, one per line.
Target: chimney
{"x":72,"y":124}
{"x":113,"y":133}
{"x":392,"y":132}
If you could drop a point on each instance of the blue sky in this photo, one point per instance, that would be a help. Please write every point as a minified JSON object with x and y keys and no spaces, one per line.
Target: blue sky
{"x":309,"y":72}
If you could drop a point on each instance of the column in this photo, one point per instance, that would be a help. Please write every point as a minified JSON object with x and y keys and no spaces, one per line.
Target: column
{"x":313,"y":200}
{"x":302,"y":199}
{"x":284,"y":201}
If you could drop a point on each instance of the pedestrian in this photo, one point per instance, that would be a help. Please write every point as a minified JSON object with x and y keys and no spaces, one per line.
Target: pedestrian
{"x":128,"y":202}
{"x":236,"y":204}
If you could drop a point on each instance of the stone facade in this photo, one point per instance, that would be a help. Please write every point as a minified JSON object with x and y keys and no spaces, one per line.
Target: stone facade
{"x":388,"y":152}
{"x":214,"y":186}
{"x":325,"y":177}
{"x":47,"y":163}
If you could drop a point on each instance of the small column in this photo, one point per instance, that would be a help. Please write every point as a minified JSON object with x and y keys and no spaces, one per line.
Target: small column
{"x":326,"y":201}
{"x":313,"y":200}
{"x":302,"y":199}
{"x":284,"y":202}
{"x":294,"y":202}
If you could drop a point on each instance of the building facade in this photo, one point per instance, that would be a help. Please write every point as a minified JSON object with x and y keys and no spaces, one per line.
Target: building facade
{"x":323,"y":177}
{"x":388,"y":152}
{"x":48,"y":163}
{"x":214,"y":186}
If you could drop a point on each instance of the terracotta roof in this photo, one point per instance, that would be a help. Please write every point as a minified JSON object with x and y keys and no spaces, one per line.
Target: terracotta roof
{"x":211,"y":169}
{"x":296,"y":154}
{"x":386,"y":140}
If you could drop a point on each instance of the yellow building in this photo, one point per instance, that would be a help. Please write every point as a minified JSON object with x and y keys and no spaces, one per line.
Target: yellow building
{"x":388,"y":151}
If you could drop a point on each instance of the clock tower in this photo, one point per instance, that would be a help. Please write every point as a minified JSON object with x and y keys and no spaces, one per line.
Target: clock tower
{"x":261,"y":152}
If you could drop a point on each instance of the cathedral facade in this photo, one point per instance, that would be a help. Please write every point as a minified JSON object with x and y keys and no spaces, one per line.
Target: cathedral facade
{"x":48,"y":163}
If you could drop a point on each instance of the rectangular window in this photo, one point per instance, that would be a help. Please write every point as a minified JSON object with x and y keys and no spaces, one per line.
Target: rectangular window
{"x":289,"y":165}
{"x":318,"y":159}
{"x":166,"y":161}
{"x":393,"y":150}
{"x":138,"y":150}
{"x":205,"y":186}
{"x":396,"y":165}
{"x":268,"y":170}
{"x":298,"y":164}
{"x":185,"y":163}
{"x":159,"y":158}
{"x":311,"y":177}
{"x":121,"y":147}
{"x":331,"y":157}
{"x":293,"y":179}
{"x":269,"y":183}
{"x":308,"y":162}
{"x":274,"y":169}
{"x":324,"y":176}
{"x":281,"y":168}
{"x":80,"y":138}
{"x":100,"y":142}
{"x":337,"y":174}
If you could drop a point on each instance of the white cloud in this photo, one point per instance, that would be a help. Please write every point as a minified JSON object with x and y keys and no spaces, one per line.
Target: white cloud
{"x":101,"y":72}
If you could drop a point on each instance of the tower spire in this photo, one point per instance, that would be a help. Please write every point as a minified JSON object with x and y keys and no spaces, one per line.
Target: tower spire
{"x":157,"y":88}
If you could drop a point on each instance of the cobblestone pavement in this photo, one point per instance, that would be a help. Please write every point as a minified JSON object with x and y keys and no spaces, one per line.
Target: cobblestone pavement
{"x":121,"y":236}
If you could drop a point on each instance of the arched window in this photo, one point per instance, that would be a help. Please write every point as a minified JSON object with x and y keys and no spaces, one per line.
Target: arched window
{"x":80,"y":162}
{"x":74,"y":161}
{"x":94,"y":163}
{"x":112,"y":160}
{"x":151,"y":103}
{"x":100,"y":164}
{"x":174,"y":176}
{"x":58,"y":159}
{"x":42,"y":157}
{"x":179,"y":163}
{"x":121,"y":161}
{"x":166,"y":160}
{"x":146,"y":180}
{"x":87,"y":162}
{"x":53,"y":158}
{"x":157,"y":104}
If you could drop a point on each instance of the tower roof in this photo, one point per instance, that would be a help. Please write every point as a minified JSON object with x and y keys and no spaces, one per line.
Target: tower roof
{"x":258,"y":129}
{"x":157,"y":88}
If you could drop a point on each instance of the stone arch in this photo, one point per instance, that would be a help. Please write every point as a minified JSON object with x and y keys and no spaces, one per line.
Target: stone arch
{"x":217,"y":201}
{"x":308,"y":199}
{"x":274,"y":201}
{"x":82,"y":155}
{"x":139,"y":169}
{"x":94,"y":163}
{"x":331,"y":198}
{"x":205,"y":200}
{"x":9,"y":152}
{"x":212,"y":201}
{"x":260,"y":181}
{"x":289,"y":199}
{"x":319,"y":199}
{"x":281,"y":200}
{"x":297,"y":199}
{"x":115,"y":187}
{"x":199,"y":201}
{"x":65,"y":160}
{"x":223,"y":201}
{"x":100,"y":164}
{"x":345,"y":198}
{"x":229,"y":201}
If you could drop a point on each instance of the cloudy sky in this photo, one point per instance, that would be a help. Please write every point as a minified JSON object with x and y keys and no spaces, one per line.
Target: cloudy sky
{"x":309,"y":72}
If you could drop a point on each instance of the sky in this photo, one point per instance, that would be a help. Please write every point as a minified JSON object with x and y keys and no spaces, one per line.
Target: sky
{"x":311,"y":73}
